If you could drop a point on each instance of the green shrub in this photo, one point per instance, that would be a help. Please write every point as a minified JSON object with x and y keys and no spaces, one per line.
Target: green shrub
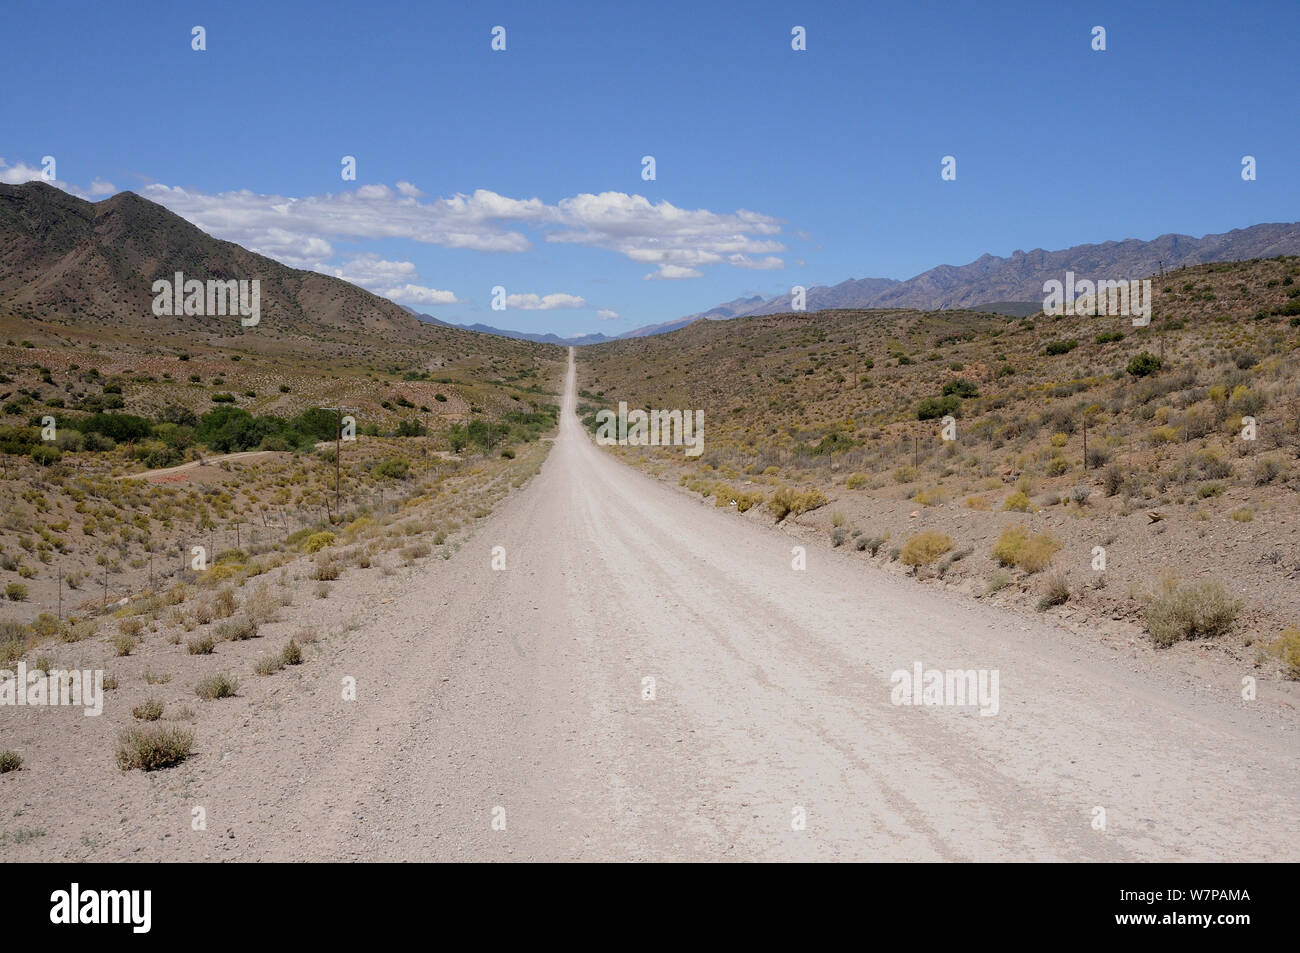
{"x":10,"y":761}
{"x":932,"y":408}
{"x":1144,"y":364}
{"x":394,"y":468}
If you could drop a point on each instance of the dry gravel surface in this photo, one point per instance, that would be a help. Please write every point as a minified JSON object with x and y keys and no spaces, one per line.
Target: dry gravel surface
{"x":519,"y":696}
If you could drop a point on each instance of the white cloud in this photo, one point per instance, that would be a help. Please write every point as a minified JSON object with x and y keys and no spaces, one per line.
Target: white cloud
{"x":23,"y":173}
{"x":372,"y":211}
{"x":388,"y":279}
{"x":672,"y":273}
{"x":18,"y":174}
{"x":648,"y":232}
{"x":551,"y":302}
{"x":418,"y":294}
{"x":605,"y":314}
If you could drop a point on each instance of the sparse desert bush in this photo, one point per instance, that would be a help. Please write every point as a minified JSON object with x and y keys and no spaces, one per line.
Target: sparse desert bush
{"x":10,"y":761}
{"x":236,"y":629}
{"x":292,"y":654}
{"x":16,"y":592}
{"x":323,"y":590}
{"x":1267,"y":469}
{"x":262,"y":606}
{"x":954,"y":557}
{"x":149,"y":710}
{"x":225,"y":603}
{"x":200,"y":645}
{"x":1199,"y":610}
{"x":77,"y":631}
{"x":123,"y":644}
{"x":788,"y":501}
{"x":151,"y":747}
{"x":318,"y":541}
{"x":931,"y":496}
{"x":1113,"y":480}
{"x":268,"y":665}
{"x":1016,"y":547}
{"x":925,"y":547}
{"x":416,"y":551}
{"x":855,"y":480}
{"x":1056,"y":591}
{"x":1243,"y":514}
{"x":326,"y":570}
{"x":838,"y":536}
{"x":1287,"y":648}
{"x":216,"y":686}
{"x":1018,"y":502}
{"x":997,"y":582}
{"x":130,"y":627}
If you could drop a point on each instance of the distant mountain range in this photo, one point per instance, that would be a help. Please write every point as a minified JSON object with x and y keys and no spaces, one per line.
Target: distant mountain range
{"x":517,"y":335}
{"x":1014,"y":285}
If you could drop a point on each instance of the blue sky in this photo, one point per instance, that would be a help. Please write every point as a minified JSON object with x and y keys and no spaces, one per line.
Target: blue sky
{"x":522,"y":168}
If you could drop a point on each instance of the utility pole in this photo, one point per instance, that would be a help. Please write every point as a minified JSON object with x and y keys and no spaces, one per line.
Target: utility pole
{"x":1085,"y":443}
{"x":60,"y":593}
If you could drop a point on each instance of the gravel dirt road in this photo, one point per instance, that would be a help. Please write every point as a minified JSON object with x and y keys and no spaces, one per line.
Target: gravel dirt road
{"x":518,"y":695}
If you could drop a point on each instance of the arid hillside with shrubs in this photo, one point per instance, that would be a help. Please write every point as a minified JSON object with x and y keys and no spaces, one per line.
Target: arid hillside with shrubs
{"x":1168,"y":454}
